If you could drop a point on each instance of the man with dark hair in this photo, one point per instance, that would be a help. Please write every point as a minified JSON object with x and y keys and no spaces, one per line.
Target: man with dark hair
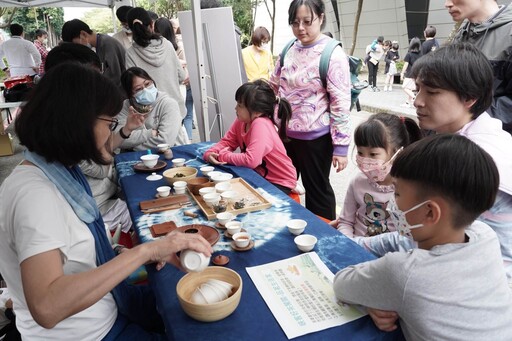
{"x":109,"y":50}
{"x":430,"y":43}
{"x":22,"y":55}
{"x":40,"y":44}
{"x":72,"y":53}
{"x":487,"y":26}
{"x":125,"y":35}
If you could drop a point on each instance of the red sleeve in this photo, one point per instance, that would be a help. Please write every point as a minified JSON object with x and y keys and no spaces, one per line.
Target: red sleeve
{"x":259,"y":142}
{"x":229,"y":141}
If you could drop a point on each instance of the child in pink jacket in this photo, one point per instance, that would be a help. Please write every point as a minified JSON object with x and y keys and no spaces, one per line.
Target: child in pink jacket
{"x":255,"y":133}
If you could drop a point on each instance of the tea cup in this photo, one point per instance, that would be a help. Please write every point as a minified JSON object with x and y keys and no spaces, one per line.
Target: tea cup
{"x":212,"y":294}
{"x":193,"y":261}
{"x":198,"y":297}
{"x":179,"y":162}
{"x":224,"y":217}
{"x":218,"y":178}
{"x":162,"y":147}
{"x":206,"y":170}
{"x":233,"y":227}
{"x":180,"y":187}
{"x":306,"y":242}
{"x":223,"y":187}
{"x":149,"y":160}
{"x":242,"y":239}
{"x":163,"y":191}
{"x":230,"y":196}
{"x":296,"y":226}
{"x":211,"y":199}
{"x":206,"y":190}
{"x":213,"y":173}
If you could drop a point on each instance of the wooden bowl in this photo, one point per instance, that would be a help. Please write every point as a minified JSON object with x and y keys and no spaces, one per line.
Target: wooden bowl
{"x":197,"y":183}
{"x":209,"y":312}
{"x":187,"y":172}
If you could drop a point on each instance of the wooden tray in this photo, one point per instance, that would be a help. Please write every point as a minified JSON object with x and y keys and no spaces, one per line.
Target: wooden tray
{"x":254,"y":200}
{"x":209,"y":233}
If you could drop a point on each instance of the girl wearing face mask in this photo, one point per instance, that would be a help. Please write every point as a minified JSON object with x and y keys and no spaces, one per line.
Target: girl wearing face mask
{"x":257,"y":57}
{"x":163,"y":118}
{"x":378,"y":141}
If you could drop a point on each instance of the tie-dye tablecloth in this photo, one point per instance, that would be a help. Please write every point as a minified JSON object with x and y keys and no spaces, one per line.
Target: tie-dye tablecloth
{"x":252,"y":320}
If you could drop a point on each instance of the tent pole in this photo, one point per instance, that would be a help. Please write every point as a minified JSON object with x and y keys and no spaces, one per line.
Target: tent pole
{"x":198,"y":39}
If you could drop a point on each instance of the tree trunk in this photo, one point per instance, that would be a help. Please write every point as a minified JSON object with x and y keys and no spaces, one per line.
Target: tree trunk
{"x":273,"y":25}
{"x":356,"y":26}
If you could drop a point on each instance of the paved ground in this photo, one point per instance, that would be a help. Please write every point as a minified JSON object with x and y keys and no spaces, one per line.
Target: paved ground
{"x":371,"y":102}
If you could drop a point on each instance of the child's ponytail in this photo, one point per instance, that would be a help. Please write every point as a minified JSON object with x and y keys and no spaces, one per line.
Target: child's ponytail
{"x":413,"y":130}
{"x":284,"y":112}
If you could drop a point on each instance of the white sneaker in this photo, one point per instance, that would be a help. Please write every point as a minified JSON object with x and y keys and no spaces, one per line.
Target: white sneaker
{"x":390,"y":89}
{"x":385,"y":88}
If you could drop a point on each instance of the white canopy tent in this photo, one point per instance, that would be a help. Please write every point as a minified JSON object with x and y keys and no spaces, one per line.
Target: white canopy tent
{"x":198,"y":35}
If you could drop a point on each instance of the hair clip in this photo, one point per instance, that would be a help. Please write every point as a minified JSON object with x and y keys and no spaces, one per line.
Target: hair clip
{"x":278,"y":99}
{"x":137,"y":21}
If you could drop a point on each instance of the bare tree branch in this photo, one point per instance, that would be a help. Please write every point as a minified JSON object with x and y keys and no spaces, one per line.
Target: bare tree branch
{"x":356,"y":26}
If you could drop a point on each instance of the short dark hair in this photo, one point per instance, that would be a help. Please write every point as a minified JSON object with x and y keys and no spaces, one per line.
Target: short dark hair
{"x":40,"y":33}
{"x":315,"y":7}
{"x":395,"y":46}
{"x":16,"y":29}
{"x":415,"y":45}
{"x":164,"y":27}
{"x":121,"y":13}
{"x":258,"y":96}
{"x":58,"y":120}
{"x":387,"y":131}
{"x":127,"y":79}
{"x":461,"y":68}
{"x":142,"y":35}
{"x":453,"y":167}
{"x":380,"y":39}
{"x":153,"y":15}
{"x":69,"y":52}
{"x":430,"y":31}
{"x":258,"y":35}
{"x":71,"y":29}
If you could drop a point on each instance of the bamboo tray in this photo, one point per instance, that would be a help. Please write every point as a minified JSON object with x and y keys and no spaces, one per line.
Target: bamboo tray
{"x":253,"y":200}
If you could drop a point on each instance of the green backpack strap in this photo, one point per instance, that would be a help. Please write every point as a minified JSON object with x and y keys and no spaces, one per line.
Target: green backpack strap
{"x":325,"y":59}
{"x":285,"y":49}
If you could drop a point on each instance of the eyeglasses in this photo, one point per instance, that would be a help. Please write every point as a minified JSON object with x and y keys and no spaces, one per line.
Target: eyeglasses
{"x":147,"y":83}
{"x":305,"y":23}
{"x":113,"y":122}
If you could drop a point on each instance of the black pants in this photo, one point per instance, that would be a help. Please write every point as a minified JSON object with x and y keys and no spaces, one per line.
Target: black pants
{"x":372,"y":73}
{"x":313,"y":160}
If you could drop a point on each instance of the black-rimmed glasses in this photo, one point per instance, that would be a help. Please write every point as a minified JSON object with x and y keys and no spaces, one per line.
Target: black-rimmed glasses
{"x":306,"y":23}
{"x":113,"y":122}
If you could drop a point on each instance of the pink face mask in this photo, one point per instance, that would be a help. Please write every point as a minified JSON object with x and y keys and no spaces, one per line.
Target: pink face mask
{"x":375,"y":169}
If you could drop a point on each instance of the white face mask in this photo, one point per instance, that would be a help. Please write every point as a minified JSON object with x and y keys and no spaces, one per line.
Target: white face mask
{"x":400,"y":221}
{"x":263,"y":46}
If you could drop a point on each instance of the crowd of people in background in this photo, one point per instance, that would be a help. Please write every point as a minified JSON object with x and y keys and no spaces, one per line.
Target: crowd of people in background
{"x":418,"y":203}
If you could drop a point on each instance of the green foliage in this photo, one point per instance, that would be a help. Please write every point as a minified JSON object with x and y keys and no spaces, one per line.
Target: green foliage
{"x":34,"y":18}
{"x":99,"y":20}
{"x":399,"y":65}
{"x":165,"y":8}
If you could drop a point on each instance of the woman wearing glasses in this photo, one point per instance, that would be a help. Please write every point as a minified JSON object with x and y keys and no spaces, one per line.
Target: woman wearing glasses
{"x":54,"y":254}
{"x":319,"y":128}
{"x":163,"y":121}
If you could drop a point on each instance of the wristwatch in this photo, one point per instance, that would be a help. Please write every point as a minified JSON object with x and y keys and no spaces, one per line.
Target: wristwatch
{"x":122,"y":134}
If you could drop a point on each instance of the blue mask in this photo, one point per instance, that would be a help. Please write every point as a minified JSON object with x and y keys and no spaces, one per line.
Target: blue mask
{"x":147,"y":95}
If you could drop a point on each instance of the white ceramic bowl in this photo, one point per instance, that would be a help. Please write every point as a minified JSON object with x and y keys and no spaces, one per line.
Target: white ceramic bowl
{"x":206,"y":190}
{"x":212,"y":294}
{"x":206,"y":170}
{"x":230,"y":196}
{"x":163,"y":191}
{"x":224,"y":217}
{"x":223,"y":187}
{"x":162,"y":147}
{"x":233,"y":227}
{"x":242,"y":239}
{"x":221,"y":177}
{"x":213,"y":173}
{"x":223,"y":286}
{"x":149,"y":160}
{"x":178,"y":162}
{"x":180,"y":187}
{"x":198,"y":297}
{"x":306,"y":242}
{"x":296,"y":226}
{"x":193,"y":261}
{"x":211,"y":199}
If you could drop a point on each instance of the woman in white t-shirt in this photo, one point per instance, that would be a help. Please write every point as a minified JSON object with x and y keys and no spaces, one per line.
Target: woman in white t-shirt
{"x":60,"y":269}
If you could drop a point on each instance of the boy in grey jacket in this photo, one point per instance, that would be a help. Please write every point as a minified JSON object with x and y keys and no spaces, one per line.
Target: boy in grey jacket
{"x":453,"y":286}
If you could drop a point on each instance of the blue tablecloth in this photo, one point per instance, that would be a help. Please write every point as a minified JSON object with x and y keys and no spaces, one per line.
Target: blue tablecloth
{"x":252,"y":320}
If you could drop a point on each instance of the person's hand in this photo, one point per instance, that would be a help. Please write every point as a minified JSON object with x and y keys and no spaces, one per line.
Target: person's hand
{"x":385,"y":320}
{"x":334,"y":223}
{"x":339,"y":162}
{"x":186,"y":81}
{"x":213,"y":158}
{"x":8,"y":304}
{"x":164,"y":250}
{"x":134,"y":120}
{"x":35,"y":68}
{"x":154,"y":132}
